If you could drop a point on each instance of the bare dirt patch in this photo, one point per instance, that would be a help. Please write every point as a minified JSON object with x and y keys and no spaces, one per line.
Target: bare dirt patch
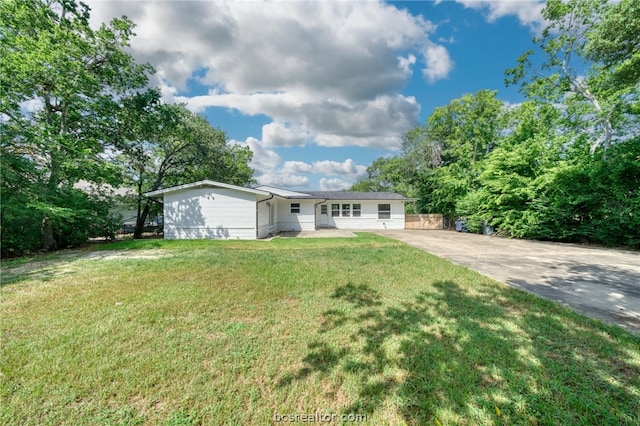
{"x":64,"y":264}
{"x":125,"y":254}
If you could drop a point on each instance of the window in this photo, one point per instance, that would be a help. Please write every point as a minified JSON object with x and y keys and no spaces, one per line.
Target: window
{"x":346,"y":210}
{"x":295,"y":208}
{"x":335,"y":210}
{"x":384,"y":211}
{"x":323,"y":209}
{"x":357,"y":210}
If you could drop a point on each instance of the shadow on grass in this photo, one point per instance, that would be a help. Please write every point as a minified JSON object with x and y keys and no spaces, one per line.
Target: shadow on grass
{"x":64,"y":264}
{"x":489,"y":356}
{"x":41,"y":271}
{"x":361,"y":296}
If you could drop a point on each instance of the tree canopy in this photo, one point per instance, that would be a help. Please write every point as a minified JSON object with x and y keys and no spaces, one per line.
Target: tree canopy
{"x":73,"y":103}
{"x":565,"y":164}
{"x":166,"y":144}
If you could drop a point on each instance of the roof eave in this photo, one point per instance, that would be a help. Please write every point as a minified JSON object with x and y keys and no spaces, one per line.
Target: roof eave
{"x":202,"y":184}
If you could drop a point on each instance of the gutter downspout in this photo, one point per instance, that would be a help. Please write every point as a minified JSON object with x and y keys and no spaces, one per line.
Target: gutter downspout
{"x":314,"y":213}
{"x":257,"y":213}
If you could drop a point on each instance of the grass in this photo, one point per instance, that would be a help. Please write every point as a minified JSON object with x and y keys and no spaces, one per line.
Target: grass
{"x":211,"y":332}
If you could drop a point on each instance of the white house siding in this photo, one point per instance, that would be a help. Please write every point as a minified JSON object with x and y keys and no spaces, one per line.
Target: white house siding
{"x":209,"y":212}
{"x":303,"y":221}
{"x":368,"y":218}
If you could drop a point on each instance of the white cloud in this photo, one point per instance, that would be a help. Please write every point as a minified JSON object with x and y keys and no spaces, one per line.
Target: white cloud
{"x":511,"y":105}
{"x":292,"y":167}
{"x":449,"y":40}
{"x":264,"y":160}
{"x":333,"y":184}
{"x":327,"y":122}
{"x":279,"y":133}
{"x":341,"y":48}
{"x":168,"y":92}
{"x":347,"y":168}
{"x":406,"y":63}
{"x":325,"y":72}
{"x":266,"y":166}
{"x":283,"y":180}
{"x":439,"y":62}
{"x":270,"y":170}
{"x":528,"y":12}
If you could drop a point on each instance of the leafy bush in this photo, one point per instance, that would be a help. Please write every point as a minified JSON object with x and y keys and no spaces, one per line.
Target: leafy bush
{"x":75,"y":216}
{"x":20,"y":230}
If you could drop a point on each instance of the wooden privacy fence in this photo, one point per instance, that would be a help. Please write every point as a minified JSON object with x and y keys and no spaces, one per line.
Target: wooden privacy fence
{"x":424,"y":221}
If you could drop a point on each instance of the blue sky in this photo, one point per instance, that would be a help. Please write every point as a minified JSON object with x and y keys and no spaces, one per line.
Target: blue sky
{"x":319,"y":90}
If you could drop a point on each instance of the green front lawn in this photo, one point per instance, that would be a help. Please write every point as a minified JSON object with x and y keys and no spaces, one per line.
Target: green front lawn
{"x":215,"y":332}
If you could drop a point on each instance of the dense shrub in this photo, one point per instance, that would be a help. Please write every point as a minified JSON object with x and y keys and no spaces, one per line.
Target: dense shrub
{"x":75,"y":216}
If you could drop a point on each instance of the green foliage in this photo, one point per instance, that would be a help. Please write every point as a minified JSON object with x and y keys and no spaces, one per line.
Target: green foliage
{"x":616,"y":43}
{"x":164,"y":145}
{"x":20,"y":229}
{"x":61,"y":83}
{"x":387,"y":174}
{"x":590,"y":68}
{"x":75,"y":216}
{"x":594,"y":200}
{"x":537,"y":184}
{"x":441,"y":161}
{"x":71,"y":99}
{"x":466,"y":128}
{"x":447,"y":152}
{"x":587,"y":64}
{"x":514,"y":173}
{"x":562,"y":166}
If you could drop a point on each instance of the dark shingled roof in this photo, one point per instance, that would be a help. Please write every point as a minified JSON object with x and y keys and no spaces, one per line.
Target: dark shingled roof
{"x":353,"y":195}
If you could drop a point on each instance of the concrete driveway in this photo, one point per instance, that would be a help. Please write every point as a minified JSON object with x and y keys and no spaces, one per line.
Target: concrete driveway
{"x":601,"y":283}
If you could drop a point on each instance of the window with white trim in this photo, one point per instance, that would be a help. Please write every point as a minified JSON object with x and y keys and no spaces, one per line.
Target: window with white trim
{"x":346,"y":210}
{"x":295,"y":208}
{"x":357,"y":210}
{"x":335,"y":210}
{"x":384,"y":211}
{"x":323,"y":209}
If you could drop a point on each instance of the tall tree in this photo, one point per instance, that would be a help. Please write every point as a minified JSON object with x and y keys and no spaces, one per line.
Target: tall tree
{"x":448,"y":150}
{"x":387,"y":174}
{"x":165,"y":144}
{"x":515,"y":174}
{"x":616,"y":43}
{"x":566,"y":73}
{"x":60,"y":84}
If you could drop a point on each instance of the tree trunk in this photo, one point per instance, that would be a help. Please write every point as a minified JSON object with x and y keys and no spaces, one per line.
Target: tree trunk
{"x":48,"y":242}
{"x":140,"y":220}
{"x":607,"y":133}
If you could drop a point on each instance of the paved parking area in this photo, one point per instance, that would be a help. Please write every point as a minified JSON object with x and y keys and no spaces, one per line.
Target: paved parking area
{"x":599,"y":282}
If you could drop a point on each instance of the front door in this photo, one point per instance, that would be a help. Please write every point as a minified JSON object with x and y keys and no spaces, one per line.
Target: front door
{"x":322,"y":215}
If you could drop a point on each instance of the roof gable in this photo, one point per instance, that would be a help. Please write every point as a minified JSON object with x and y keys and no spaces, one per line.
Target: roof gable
{"x":204,"y":184}
{"x":282,"y":192}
